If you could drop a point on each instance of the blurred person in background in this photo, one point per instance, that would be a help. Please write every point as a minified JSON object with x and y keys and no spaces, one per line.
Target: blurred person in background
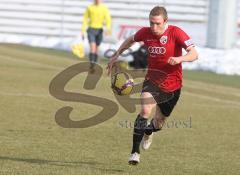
{"x":163,"y":81}
{"x":139,"y":58}
{"x":95,"y":16}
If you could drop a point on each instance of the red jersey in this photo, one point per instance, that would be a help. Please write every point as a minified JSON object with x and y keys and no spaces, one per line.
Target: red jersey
{"x":160,"y":48}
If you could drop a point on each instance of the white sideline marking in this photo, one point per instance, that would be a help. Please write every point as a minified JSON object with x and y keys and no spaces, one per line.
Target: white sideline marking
{"x":37,"y":54}
{"x":16,"y":94}
{"x":212,"y":98}
{"x":186,"y":93}
{"x":215,"y":105}
{"x":212,"y":87}
{"x":31,"y":62}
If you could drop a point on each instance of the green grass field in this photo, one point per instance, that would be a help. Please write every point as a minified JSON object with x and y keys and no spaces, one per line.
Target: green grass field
{"x":200,"y":138}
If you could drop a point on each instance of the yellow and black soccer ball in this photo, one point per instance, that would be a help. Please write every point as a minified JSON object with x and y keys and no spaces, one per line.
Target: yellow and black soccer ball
{"x":122,"y":83}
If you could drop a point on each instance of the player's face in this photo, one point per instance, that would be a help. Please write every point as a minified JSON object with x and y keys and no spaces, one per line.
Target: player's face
{"x":97,"y":1}
{"x":157,"y":24}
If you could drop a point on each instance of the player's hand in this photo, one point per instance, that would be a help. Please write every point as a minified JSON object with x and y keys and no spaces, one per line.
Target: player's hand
{"x":108,"y":32}
{"x":111,"y":64}
{"x":83,"y":36}
{"x":174,"y":60}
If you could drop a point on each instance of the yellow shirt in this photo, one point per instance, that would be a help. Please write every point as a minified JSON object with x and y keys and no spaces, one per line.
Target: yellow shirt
{"x":95,"y":17}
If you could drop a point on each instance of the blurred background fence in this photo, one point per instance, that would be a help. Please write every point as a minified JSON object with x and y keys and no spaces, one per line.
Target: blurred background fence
{"x":51,"y":23}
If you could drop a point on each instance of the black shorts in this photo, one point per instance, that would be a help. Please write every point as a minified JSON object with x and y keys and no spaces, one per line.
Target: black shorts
{"x":165,"y":100}
{"x":95,"y":35}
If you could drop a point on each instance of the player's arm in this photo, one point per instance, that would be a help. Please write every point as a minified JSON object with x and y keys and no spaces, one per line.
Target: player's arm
{"x":85,"y":22}
{"x":124,"y":46}
{"x":191,"y":55}
{"x":108,"y":21}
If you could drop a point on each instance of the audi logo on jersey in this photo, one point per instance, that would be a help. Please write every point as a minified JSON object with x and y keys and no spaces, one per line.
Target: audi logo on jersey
{"x":156,"y":50}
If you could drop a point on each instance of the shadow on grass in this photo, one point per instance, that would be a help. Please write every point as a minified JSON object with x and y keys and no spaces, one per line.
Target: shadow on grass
{"x":92,"y":164}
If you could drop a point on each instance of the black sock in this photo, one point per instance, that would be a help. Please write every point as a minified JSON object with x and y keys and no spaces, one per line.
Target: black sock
{"x":91,"y":57}
{"x":95,"y":58}
{"x":138,"y":132}
{"x":150,"y":128}
{"x":92,"y":60}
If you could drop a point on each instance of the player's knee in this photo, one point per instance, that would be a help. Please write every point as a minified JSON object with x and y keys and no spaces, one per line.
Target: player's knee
{"x":146,"y":111}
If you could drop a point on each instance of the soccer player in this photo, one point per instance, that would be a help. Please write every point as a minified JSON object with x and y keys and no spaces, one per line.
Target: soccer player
{"x":93,"y":21}
{"x":164,"y":75}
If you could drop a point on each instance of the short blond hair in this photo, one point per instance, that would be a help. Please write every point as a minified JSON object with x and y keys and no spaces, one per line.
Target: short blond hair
{"x":158,"y":10}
